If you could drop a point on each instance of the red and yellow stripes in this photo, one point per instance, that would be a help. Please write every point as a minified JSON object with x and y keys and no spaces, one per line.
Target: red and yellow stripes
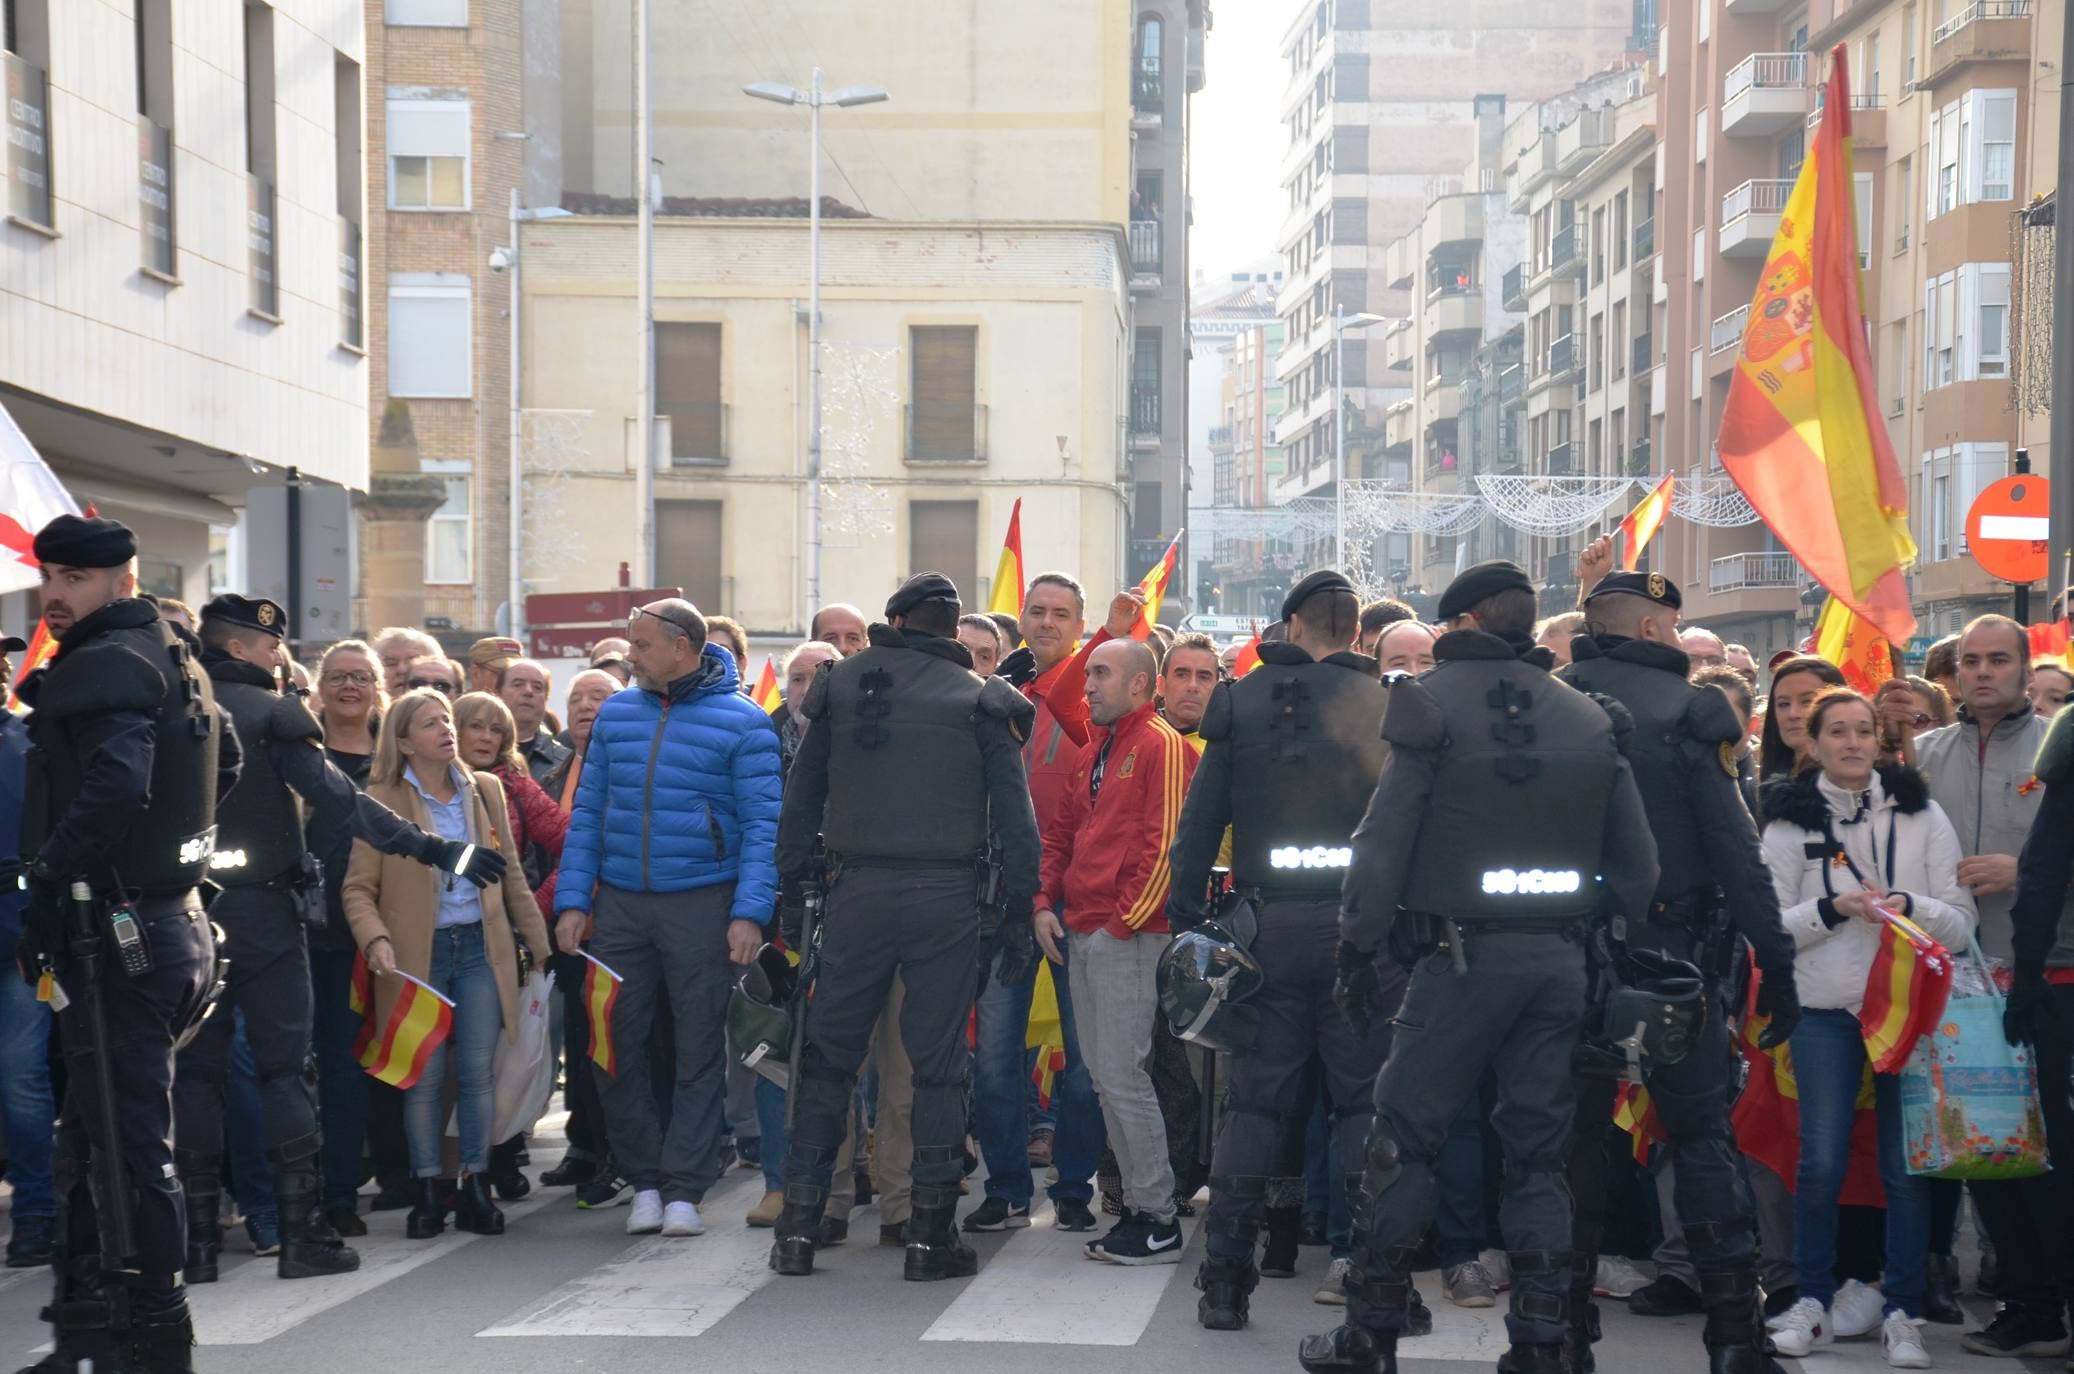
{"x":600,"y":995}
{"x":1645,"y":520}
{"x":1634,"y":1111}
{"x":1173,"y":787}
{"x":1905,"y":992}
{"x":418,"y":1024}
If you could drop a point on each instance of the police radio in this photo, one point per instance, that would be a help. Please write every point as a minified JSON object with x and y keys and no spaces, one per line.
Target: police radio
{"x":123,"y":929}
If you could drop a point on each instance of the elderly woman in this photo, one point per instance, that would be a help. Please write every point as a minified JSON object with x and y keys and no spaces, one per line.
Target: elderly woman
{"x":460,"y":941}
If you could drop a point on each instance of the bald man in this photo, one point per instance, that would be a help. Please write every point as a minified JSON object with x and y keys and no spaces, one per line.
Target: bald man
{"x":1405,"y":647}
{"x":1703,"y":647}
{"x":840,"y":625}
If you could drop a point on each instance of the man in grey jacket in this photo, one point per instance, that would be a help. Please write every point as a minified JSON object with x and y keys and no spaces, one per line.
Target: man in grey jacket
{"x":1980,"y":772}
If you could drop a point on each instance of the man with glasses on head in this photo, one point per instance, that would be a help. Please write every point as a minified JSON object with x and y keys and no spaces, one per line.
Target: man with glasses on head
{"x":670,"y":868}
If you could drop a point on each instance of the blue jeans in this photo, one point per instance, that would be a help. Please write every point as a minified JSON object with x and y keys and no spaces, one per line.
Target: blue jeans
{"x":244,"y":1128}
{"x":462,"y":971}
{"x":1000,"y":1106}
{"x":26,"y":1108}
{"x":341,"y":1082}
{"x":1829,"y":1063}
{"x":770,"y":1116}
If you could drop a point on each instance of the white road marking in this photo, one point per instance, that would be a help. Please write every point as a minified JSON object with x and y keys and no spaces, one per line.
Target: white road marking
{"x":1043,"y":1272}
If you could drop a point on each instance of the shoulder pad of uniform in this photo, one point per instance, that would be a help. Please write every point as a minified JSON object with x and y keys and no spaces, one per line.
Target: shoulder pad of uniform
{"x":1413,"y":718}
{"x":292,"y":719}
{"x":1216,"y":721}
{"x":103,"y":676}
{"x":998,"y":698}
{"x":816,"y":704}
{"x":1623,"y":722}
{"x":1710,"y":719}
{"x":2055,"y":763}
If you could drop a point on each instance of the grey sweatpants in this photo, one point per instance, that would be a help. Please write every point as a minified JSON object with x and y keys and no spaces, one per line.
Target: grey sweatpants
{"x":1115,"y":993}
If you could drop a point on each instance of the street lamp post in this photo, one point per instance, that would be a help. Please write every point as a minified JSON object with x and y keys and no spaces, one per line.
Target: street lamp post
{"x":814,"y":98}
{"x":1341,"y":323}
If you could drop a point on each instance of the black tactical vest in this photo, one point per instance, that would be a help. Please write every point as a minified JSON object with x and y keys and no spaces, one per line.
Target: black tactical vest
{"x":1515,"y":823}
{"x":259,"y":835}
{"x":905,"y":777}
{"x":1306,"y":753}
{"x":124,"y":657}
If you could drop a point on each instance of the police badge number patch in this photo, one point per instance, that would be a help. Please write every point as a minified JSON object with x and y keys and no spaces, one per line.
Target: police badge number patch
{"x":1727,"y":755}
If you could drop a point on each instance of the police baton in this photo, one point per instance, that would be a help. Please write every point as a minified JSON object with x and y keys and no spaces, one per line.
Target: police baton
{"x":112,"y":1211}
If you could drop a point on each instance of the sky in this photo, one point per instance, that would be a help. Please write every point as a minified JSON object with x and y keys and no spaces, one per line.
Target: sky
{"x":1236,"y":140}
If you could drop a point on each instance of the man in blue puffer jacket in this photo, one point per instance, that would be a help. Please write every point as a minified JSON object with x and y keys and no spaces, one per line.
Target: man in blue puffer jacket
{"x":670,"y":868}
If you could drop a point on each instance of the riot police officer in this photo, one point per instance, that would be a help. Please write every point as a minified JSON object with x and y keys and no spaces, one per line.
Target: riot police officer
{"x":129,"y":757}
{"x":272,"y":894}
{"x":1292,"y":754}
{"x":908,"y":757}
{"x":1505,"y":816}
{"x":1683,"y":753}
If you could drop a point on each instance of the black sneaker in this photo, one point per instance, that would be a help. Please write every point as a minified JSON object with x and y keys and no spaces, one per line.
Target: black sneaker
{"x":1665,"y":1297}
{"x":572,"y":1172}
{"x":604,"y":1190}
{"x":1095,"y":1247}
{"x":998,"y":1214}
{"x":1148,"y":1242}
{"x":2020,"y":1331}
{"x":1071,"y":1214}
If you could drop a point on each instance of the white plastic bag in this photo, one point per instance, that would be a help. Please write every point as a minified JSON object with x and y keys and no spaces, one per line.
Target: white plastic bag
{"x":523,"y":1071}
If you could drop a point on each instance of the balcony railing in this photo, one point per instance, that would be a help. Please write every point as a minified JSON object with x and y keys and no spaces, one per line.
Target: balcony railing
{"x":1562,"y":249}
{"x":1644,"y":246}
{"x":1743,"y":571}
{"x":1765,"y":71}
{"x":1146,"y":247}
{"x":1145,"y":408}
{"x":1759,"y":197}
{"x":1149,"y":92}
{"x":1512,"y":383}
{"x":1857,"y":102}
{"x":938,"y":433}
{"x":1984,"y":9}
{"x":1562,"y":356}
{"x":1448,"y":281}
{"x":698,"y":432}
{"x":1559,"y":459}
{"x":1728,"y":329}
{"x":1638,"y":457}
{"x":1643,"y":356}
{"x":1220,"y":436}
{"x":1515,"y":288}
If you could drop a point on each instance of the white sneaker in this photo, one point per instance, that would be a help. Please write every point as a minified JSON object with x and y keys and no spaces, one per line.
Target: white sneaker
{"x":1902,"y":1339}
{"x":646,"y":1218}
{"x":1617,"y":1277}
{"x":1856,"y":1310}
{"x":682,"y":1219}
{"x":1497,"y":1267}
{"x":1801,"y":1328}
{"x":1333,"y":1291}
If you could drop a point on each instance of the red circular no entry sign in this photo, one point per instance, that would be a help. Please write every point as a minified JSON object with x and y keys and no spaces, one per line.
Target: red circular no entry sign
{"x":2008,"y":528}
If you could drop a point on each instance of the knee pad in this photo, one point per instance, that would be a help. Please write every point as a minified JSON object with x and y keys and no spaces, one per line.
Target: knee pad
{"x":1350,"y":1131}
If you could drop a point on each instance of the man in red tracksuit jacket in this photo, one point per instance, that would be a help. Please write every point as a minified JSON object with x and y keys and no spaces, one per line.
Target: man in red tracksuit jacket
{"x":1105,"y":865}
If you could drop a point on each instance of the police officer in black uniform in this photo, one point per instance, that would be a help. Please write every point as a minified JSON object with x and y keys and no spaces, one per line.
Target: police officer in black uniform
{"x":273,"y":893}
{"x":1505,"y":817}
{"x":1292,"y":755}
{"x":130,"y":754}
{"x":1683,"y":753}
{"x":908,"y":758}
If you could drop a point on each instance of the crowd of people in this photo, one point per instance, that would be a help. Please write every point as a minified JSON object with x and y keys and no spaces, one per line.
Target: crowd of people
{"x":945,"y":806}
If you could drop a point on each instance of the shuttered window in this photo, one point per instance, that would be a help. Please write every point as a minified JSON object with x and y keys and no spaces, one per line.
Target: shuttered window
{"x":687,"y":550}
{"x":943,"y":536}
{"x":687,"y":390}
{"x":943,"y":424}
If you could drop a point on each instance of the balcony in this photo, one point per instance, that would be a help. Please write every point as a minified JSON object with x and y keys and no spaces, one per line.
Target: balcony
{"x":1583,"y":139}
{"x":1743,"y":7}
{"x":1145,"y":410}
{"x":1512,"y":385}
{"x":1559,"y":459}
{"x":1452,"y":220}
{"x":1400,"y":425}
{"x":1455,"y":310}
{"x":1644,"y":246}
{"x":1442,"y":460}
{"x":1638,"y":458}
{"x":1728,"y":329}
{"x":1512,"y":292}
{"x":1536,"y":165}
{"x":1868,"y":120}
{"x":1400,"y":346}
{"x":939,"y":433}
{"x":1443,"y":402}
{"x":1562,"y":250}
{"x":698,"y":432}
{"x":1148,"y":96}
{"x":1986,"y":31}
{"x":1562,"y":358}
{"x":1400,"y":262}
{"x":1642,"y":356}
{"x":1750,"y":217}
{"x":1146,"y":252}
{"x":1746,"y":571}
{"x":1765,"y":93}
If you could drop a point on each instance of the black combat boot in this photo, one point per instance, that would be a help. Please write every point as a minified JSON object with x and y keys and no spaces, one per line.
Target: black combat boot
{"x":201,"y":1182}
{"x":161,"y":1335}
{"x":427,"y":1209}
{"x":1735,"y":1338}
{"x":1227,"y":1286}
{"x":310,"y":1246}
{"x":1349,"y":1350}
{"x":80,"y":1318}
{"x":1941,"y":1292}
{"x":1532,"y":1359}
{"x":474,"y":1210}
{"x":1284,"y":1237}
{"x":1584,"y":1317}
{"x":935,"y":1250}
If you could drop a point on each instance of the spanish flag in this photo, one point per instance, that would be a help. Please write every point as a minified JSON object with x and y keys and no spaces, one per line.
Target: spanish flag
{"x":766,"y":696}
{"x":2053,"y":643}
{"x":1855,"y":646}
{"x":600,"y":993}
{"x":1634,"y":1111}
{"x":1046,"y":1033}
{"x":360,"y":1000}
{"x":42,"y":644}
{"x":1801,"y":433}
{"x":1007,"y":595}
{"x":1249,"y":656}
{"x":1905,"y":992}
{"x":419,"y":1023}
{"x":1154,"y":584}
{"x":1767,"y":1116}
{"x":1644,"y":521}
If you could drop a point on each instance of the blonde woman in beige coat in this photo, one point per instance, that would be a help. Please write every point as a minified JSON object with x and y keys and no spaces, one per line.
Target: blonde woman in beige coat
{"x":441,"y":929}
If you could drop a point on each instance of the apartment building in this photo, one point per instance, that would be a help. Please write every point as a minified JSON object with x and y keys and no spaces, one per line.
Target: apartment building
{"x":1954,"y":108}
{"x":1242,"y":561}
{"x":180,"y":262}
{"x":1380,"y":123}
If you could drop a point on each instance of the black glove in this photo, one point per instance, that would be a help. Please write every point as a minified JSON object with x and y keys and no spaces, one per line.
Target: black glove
{"x":1018,"y":945}
{"x":1358,"y":989}
{"x":475,"y":863}
{"x":1779,"y":998}
{"x":2031,"y":1011}
{"x":1018,"y":668}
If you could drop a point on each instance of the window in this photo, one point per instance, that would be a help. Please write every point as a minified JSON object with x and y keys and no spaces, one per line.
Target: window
{"x":1991,"y":339}
{"x":262,"y":223}
{"x":1619,"y":340}
{"x":1944,"y":160}
{"x":352,"y":180}
{"x":1861,"y":184}
{"x":155,"y":208}
{"x":1620,"y":231}
{"x":1599,"y":246}
{"x":688,"y":549}
{"x":1908,"y":48}
{"x":1978,"y":467}
{"x":1869,"y":82}
{"x":1706,"y":21}
{"x":445,"y":14}
{"x":943,"y":414}
{"x":1939,"y":314}
{"x":1904,"y":202}
{"x":687,"y":390}
{"x":1699,"y":128}
{"x":1993,"y":124}
{"x":1793,"y":150}
{"x":1938,"y":475}
{"x":1699,"y":253}
{"x":429,"y":335}
{"x":1966,"y":325}
{"x":428,"y":154}
{"x":943,"y":536}
{"x":449,"y":532}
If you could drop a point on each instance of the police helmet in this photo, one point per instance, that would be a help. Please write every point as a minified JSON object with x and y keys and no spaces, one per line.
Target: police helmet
{"x":759,"y":1016}
{"x":1205,"y":977}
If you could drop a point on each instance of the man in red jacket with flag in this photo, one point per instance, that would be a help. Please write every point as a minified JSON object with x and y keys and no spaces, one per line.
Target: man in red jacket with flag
{"x":1105,"y":865}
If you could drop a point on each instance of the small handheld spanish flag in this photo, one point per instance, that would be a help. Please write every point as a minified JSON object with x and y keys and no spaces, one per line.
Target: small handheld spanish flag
{"x":1634,"y":1111}
{"x":418,"y":1024}
{"x":360,"y":1000}
{"x":1905,"y":991}
{"x":766,"y":695}
{"x":1644,"y":521}
{"x":1249,"y":655}
{"x":600,"y":992}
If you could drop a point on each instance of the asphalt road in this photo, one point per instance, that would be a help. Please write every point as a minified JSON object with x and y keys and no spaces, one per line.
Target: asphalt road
{"x":566,"y":1289}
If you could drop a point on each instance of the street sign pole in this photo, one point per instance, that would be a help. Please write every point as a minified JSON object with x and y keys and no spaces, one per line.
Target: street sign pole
{"x":2023,"y":589}
{"x":2008,"y":531}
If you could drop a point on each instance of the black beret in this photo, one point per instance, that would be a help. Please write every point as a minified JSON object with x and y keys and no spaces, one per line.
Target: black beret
{"x":1323,"y":580}
{"x":926,"y":586}
{"x":247,"y":612}
{"x":85,"y":542}
{"x":1649,"y":586}
{"x":1481,"y":582}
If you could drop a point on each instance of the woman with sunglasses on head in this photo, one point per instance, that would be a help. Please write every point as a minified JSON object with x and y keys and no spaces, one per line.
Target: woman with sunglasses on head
{"x":461,"y":941}
{"x":1795,"y":684}
{"x":1850,"y":843}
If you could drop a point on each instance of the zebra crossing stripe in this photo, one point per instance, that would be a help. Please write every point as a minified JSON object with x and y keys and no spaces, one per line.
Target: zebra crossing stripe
{"x":1042,"y":1273}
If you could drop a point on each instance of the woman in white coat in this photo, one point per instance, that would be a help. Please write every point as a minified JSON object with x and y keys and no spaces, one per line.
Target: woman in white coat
{"x":1847,"y":841}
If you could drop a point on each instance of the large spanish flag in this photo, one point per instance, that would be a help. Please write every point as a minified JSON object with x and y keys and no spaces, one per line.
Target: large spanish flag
{"x":1855,"y":646}
{"x":766,"y":695}
{"x":1644,"y":521}
{"x":418,"y":1024}
{"x":1007,"y":595}
{"x":1767,"y":1116}
{"x":1802,"y":433}
{"x":1905,"y":992}
{"x":1154,"y":584}
{"x":600,"y":993}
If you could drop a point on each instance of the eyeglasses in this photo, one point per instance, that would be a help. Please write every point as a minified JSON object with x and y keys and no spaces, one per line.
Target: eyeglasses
{"x":436,"y":684}
{"x":348,"y":679}
{"x":667,"y":618}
